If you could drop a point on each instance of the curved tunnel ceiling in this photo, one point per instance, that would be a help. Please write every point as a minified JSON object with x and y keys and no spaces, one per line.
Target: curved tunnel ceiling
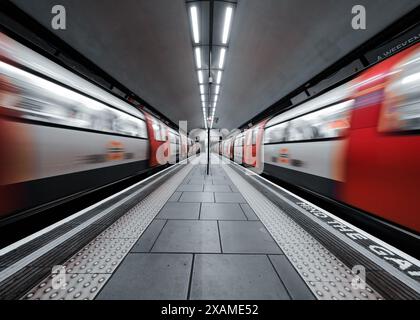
{"x":275,"y":46}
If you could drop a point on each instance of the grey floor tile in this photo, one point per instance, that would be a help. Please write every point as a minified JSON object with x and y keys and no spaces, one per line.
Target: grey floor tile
{"x":188,"y":236}
{"x":233,"y":197}
{"x":235,"y":277}
{"x":148,"y":238}
{"x":221,"y":211}
{"x":190,"y":187}
{"x":197,"y":197}
{"x":246,"y":237}
{"x":291,"y":279}
{"x":250,"y":214}
{"x":150,"y":276}
{"x":218,"y":188}
{"x":196,"y":175}
{"x":221,"y":181}
{"x":175,"y":196}
{"x":180,"y":210}
{"x":234,"y":188}
{"x":196,"y":181}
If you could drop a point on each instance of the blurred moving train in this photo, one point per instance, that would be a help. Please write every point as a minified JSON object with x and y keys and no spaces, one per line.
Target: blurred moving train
{"x":358,"y":143}
{"x":61,"y":135}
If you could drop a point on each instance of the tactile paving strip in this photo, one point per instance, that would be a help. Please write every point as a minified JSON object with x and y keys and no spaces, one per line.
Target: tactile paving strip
{"x":88,"y":270}
{"x":326,"y":276}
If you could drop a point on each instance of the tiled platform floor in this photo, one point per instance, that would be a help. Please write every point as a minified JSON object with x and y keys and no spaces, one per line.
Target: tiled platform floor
{"x":206,"y":243}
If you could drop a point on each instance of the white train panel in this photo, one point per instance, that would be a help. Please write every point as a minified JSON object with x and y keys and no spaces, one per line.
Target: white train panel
{"x":315,"y":157}
{"x":51,"y":151}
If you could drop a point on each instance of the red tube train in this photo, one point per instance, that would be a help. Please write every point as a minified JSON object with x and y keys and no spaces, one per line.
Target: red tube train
{"x":61,"y":135}
{"x":358,"y":143}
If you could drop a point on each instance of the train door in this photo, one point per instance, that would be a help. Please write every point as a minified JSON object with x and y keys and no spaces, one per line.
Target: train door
{"x":183,"y":147}
{"x":159,"y":142}
{"x":253,"y":145}
{"x":230,"y":148}
{"x":382,"y":170}
{"x":173,"y":146}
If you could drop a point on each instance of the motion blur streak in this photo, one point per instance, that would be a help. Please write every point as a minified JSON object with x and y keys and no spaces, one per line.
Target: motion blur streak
{"x":358,"y":143}
{"x":61,"y":135}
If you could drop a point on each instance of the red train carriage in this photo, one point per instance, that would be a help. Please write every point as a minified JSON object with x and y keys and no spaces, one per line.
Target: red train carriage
{"x":358,"y":143}
{"x":158,"y":134}
{"x":62,"y":136}
{"x":382,"y":161}
{"x":253,"y":142}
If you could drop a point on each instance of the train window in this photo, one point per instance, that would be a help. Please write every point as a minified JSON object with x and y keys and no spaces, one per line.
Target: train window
{"x":330,"y":122}
{"x":40,"y":99}
{"x":106,"y":121}
{"x":142,"y":129}
{"x":172,"y":137}
{"x":157,"y":131}
{"x":401,"y":107}
{"x":28,"y":96}
{"x":80,"y":116}
{"x":276,"y":133}
{"x":164,"y":132}
{"x":239,"y":141}
{"x":125,"y":125}
{"x":300,"y":129}
{"x":248,"y":136}
{"x":254,"y":135}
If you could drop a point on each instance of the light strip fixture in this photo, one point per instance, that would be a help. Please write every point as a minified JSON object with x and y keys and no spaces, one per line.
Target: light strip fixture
{"x":209,"y":99}
{"x":194,"y":22}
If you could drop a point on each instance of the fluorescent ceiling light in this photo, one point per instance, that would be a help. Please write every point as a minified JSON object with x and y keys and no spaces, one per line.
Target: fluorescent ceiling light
{"x":203,"y":98}
{"x":226,"y":26}
{"x":194,"y":22}
{"x":216,"y":97}
{"x":204,"y":104}
{"x":217,"y":89}
{"x":214,"y":104}
{"x":202,"y":89}
{"x":198,"y":57}
{"x":200,"y":77}
{"x":219,"y":77}
{"x":222,"y":58}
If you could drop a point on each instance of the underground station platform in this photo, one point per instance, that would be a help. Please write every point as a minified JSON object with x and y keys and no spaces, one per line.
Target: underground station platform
{"x":185,"y":234}
{"x":209,"y":157}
